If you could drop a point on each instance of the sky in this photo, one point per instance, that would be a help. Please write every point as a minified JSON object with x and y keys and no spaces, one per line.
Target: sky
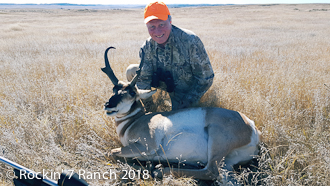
{"x":107,"y":2}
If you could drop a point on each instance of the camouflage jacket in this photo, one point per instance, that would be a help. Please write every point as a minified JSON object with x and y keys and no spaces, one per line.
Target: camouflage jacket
{"x":184,"y":56}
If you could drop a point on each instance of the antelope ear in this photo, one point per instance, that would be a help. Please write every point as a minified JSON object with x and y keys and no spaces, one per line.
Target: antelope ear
{"x":144,"y":94}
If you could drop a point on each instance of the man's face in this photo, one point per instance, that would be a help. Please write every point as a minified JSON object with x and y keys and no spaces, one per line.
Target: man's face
{"x":159,"y":30}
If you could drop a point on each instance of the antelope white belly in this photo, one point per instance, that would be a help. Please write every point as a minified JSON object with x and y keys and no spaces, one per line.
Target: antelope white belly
{"x":184,"y":136}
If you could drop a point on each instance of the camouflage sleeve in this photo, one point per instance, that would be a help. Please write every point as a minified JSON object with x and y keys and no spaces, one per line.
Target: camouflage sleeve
{"x":201,"y":69}
{"x":144,"y":81}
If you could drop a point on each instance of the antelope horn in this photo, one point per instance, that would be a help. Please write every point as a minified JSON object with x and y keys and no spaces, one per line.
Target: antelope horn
{"x":138,"y":72}
{"x":107,"y":69}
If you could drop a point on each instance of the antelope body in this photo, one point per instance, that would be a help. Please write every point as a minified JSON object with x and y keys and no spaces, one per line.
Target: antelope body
{"x":200,"y":137}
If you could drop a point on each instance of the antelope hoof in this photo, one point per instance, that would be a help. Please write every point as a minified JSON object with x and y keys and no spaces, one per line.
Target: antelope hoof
{"x":158,"y":173}
{"x":113,"y":155}
{"x":115,"y":151}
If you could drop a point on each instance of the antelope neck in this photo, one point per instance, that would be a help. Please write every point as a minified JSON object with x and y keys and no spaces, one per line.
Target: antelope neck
{"x":123,"y":122}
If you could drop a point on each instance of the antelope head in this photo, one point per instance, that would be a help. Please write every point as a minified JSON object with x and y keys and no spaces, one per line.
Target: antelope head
{"x":125,"y":94}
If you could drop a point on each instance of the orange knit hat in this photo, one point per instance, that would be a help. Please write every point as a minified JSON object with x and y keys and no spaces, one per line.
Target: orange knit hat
{"x":156,"y":10}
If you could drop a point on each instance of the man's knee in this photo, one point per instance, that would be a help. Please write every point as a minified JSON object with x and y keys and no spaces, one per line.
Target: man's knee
{"x":131,"y":71}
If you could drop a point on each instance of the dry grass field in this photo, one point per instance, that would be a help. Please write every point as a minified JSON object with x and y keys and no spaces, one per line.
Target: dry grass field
{"x":271,"y":63}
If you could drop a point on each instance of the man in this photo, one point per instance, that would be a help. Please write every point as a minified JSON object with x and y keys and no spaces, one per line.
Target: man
{"x":174,"y":60}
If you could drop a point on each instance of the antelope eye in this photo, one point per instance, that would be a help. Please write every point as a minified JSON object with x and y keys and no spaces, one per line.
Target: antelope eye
{"x":132,"y":93}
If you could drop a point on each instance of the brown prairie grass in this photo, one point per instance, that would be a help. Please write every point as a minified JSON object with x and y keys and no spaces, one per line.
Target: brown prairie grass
{"x":271,"y":63}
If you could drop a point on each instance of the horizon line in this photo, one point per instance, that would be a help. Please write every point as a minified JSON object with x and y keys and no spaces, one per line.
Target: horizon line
{"x":144,"y":4}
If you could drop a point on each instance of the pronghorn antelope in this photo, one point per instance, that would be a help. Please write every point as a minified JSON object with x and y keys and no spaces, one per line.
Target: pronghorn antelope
{"x":198,"y":136}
